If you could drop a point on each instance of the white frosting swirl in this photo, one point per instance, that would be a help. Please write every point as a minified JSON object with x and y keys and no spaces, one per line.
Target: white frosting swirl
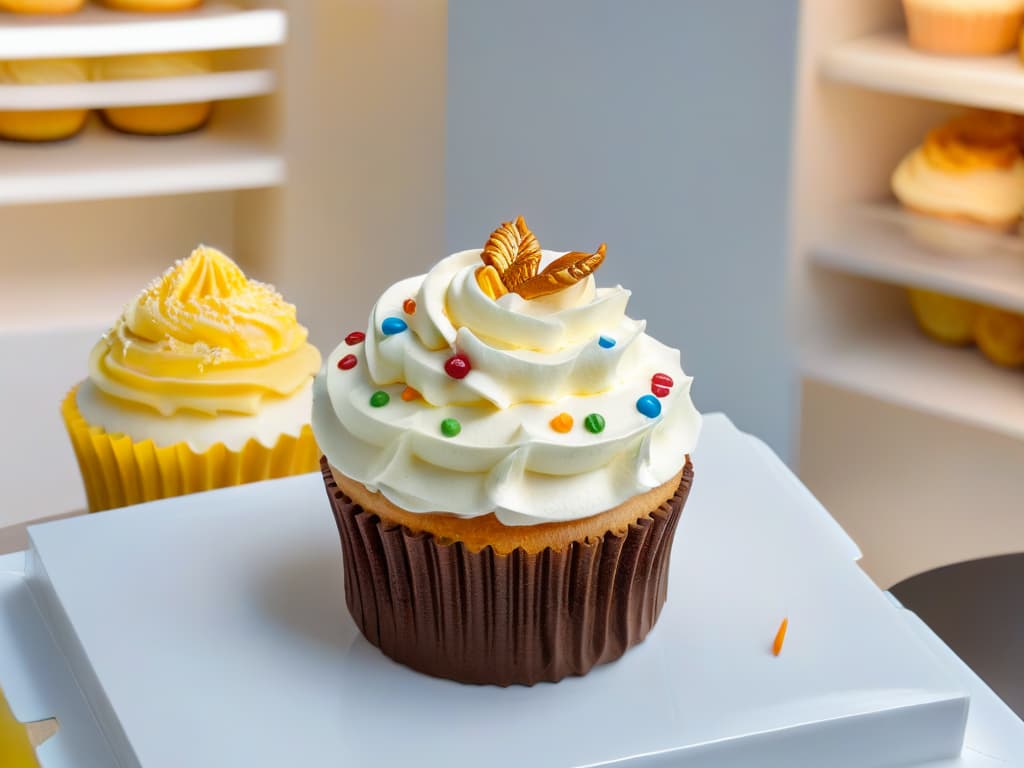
{"x":531,"y":360}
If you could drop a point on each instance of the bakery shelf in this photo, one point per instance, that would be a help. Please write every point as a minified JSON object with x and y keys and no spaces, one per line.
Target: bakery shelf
{"x":215,"y":86}
{"x":897,"y":364}
{"x":886,"y":62}
{"x":98,"y":31}
{"x":885,"y":243}
{"x":100,"y":164}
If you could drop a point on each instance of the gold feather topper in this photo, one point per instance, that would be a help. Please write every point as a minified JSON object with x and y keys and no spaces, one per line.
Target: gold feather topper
{"x":511,"y":258}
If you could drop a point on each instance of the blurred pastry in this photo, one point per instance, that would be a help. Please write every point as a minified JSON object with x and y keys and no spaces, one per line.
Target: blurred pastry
{"x":41,"y":6}
{"x":152,"y":6}
{"x":964,"y":27}
{"x":157,"y":120}
{"x":49,"y":124}
{"x":1000,"y":335}
{"x":945,"y":318}
{"x":970,"y":168}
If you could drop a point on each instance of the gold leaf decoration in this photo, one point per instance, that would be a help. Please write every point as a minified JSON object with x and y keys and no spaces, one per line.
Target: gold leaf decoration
{"x":490,"y":282}
{"x":561,"y":273}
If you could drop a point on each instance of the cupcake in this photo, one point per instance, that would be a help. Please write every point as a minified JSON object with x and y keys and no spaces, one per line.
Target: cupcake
{"x":1000,"y":335}
{"x":159,"y":120}
{"x":507,"y":456}
{"x":945,"y":318}
{"x":968,"y":169}
{"x":48,"y":124}
{"x":205,"y":381}
{"x":152,"y":6}
{"x":964,"y":27}
{"x":41,"y":6}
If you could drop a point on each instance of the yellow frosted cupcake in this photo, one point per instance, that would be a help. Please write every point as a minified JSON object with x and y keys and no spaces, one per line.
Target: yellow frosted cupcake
{"x":970,"y":168}
{"x":158,"y":120}
{"x":964,"y":27}
{"x":204,"y":381}
{"x":41,"y":6}
{"x":42,"y":125}
{"x":1000,"y":335}
{"x":945,"y":318}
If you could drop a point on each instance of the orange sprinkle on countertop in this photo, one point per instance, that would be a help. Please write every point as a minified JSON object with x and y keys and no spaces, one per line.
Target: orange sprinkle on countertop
{"x":780,"y":637}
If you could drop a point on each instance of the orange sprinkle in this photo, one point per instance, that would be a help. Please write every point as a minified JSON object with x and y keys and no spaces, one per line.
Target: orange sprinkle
{"x":561,"y":423}
{"x":409,"y":305}
{"x":409,"y":394}
{"x":780,"y":637}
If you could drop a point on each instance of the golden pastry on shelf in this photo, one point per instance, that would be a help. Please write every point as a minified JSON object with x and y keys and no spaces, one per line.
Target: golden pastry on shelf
{"x":41,"y":6}
{"x":964,"y":27}
{"x":970,"y":168}
{"x":156,"y":120}
{"x":945,"y":318}
{"x":48,"y":124}
{"x":152,"y":6}
{"x":1000,"y":335}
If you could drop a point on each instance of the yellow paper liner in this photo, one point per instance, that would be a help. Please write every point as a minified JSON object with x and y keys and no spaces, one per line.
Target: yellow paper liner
{"x":118,"y":472}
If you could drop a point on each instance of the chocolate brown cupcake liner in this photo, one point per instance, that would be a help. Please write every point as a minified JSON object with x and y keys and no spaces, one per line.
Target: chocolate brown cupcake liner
{"x":519,"y":618}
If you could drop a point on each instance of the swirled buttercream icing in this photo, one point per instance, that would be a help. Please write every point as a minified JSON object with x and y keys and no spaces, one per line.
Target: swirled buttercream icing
{"x":204,"y":340}
{"x":540,"y":409}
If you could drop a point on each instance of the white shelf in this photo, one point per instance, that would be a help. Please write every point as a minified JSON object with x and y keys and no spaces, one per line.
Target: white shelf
{"x":899,"y":365}
{"x":887,"y":63}
{"x":101,"y":164}
{"x":215,"y":86}
{"x":98,"y":31}
{"x":885,"y":243}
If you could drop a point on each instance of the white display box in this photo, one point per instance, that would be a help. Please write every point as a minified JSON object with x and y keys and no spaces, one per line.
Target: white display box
{"x":211,"y":630}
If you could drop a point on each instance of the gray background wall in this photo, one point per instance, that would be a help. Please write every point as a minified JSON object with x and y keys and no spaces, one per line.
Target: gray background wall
{"x":661,"y":127}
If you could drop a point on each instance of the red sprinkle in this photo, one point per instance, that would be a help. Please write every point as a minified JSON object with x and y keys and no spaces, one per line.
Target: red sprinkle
{"x":659,"y":391}
{"x":347,"y":362}
{"x":355,"y":337}
{"x":409,"y":306}
{"x":662,"y":379}
{"x":457,"y":366}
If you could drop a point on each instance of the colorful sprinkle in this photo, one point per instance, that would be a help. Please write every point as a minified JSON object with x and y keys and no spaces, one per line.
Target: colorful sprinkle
{"x":662,"y":379}
{"x":347,"y":362}
{"x":780,"y":637}
{"x":649,"y":406}
{"x":594,"y":423}
{"x":356,"y":337}
{"x":409,"y":394}
{"x":450,"y":427}
{"x":659,"y":390}
{"x":457,"y":366}
{"x":409,"y":306}
{"x":606,"y":341}
{"x":561,"y":423}
{"x":380,"y":398}
{"x":393,"y":325}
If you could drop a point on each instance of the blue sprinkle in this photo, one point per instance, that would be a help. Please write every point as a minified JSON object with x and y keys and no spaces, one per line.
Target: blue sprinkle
{"x":649,"y":406}
{"x":393,"y":325}
{"x":606,"y":342}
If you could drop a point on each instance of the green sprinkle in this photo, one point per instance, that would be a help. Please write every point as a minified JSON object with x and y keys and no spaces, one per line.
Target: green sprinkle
{"x":380,"y":398}
{"x":450,"y":427}
{"x":594,"y":423}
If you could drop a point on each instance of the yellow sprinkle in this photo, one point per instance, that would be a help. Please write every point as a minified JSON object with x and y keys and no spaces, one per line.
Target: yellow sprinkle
{"x":780,"y":637}
{"x":561,"y":423}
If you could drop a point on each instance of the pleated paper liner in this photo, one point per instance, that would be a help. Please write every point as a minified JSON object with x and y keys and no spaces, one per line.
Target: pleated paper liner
{"x":118,"y":472}
{"x":521,"y":618}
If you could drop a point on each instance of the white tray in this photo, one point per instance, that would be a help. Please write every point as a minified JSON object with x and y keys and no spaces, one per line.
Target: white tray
{"x":211,"y":631}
